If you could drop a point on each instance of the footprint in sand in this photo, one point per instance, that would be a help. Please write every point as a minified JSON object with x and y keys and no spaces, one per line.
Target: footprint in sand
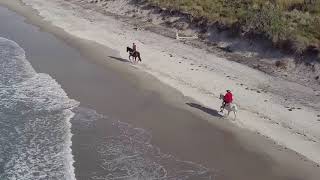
{"x":179,"y":62}
{"x":191,"y":69}
{"x":191,"y":64}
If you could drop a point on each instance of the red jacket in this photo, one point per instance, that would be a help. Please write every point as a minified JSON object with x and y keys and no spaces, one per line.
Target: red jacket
{"x":228,"y":97}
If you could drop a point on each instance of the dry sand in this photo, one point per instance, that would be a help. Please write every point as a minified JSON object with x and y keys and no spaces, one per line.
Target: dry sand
{"x":191,"y":132}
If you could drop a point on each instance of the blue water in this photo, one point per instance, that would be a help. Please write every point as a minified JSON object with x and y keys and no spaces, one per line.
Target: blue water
{"x":35,"y":113}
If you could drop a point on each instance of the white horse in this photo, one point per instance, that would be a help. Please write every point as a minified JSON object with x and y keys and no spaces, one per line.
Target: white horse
{"x":231,"y":107}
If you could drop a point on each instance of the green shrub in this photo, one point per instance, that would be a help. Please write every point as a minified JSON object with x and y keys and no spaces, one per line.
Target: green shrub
{"x":268,"y":20}
{"x":296,"y":21}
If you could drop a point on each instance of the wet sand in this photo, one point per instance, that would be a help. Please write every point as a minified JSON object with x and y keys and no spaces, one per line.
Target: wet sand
{"x":100,"y":80}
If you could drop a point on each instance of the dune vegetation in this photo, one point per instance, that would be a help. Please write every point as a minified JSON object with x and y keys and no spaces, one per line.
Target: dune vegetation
{"x":290,"y":24}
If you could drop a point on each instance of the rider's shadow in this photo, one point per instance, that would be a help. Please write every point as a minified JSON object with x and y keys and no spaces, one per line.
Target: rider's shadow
{"x":212,"y":112}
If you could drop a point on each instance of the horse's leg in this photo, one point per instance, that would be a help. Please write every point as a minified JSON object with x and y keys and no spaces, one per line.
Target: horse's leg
{"x":235,"y":115}
{"x":223,"y":106}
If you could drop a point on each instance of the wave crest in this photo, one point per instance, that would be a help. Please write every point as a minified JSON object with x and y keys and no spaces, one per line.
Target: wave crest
{"x":35,"y":113}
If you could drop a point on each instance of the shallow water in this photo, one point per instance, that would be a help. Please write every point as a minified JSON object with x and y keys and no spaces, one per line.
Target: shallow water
{"x":125,"y":152}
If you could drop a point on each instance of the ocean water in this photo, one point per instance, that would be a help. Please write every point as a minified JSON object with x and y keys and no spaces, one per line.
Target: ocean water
{"x":125,"y":152}
{"x":35,"y":128}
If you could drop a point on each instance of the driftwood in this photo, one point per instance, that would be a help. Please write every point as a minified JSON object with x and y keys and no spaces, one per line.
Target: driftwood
{"x":185,"y":37}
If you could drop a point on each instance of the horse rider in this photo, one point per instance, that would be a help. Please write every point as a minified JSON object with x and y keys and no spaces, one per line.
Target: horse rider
{"x":227,"y":99}
{"x":134,"y":48}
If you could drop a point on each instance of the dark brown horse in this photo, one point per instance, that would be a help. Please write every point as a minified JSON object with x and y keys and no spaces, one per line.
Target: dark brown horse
{"x":135,"y":54}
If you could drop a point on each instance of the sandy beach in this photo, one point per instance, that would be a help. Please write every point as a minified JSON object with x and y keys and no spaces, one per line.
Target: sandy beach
{"x":158,"y":118}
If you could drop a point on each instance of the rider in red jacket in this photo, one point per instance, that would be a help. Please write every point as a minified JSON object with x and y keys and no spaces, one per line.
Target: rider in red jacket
{"x":227,"y":99}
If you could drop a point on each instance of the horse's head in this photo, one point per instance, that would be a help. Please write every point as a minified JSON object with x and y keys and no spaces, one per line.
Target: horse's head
{"x":128,"y":49}
{"x":221,"y":96}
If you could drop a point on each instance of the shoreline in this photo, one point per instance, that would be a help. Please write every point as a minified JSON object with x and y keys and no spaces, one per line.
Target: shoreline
{"x":275,"y":108}
{"x":97,"y":49}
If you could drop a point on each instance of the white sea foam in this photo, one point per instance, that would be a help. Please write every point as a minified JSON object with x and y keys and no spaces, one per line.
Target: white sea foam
{"x":35,"y":113}
{"x":13,"y":66}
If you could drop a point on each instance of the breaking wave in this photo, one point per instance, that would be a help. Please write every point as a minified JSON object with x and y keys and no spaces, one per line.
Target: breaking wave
{"x":35,"y":113}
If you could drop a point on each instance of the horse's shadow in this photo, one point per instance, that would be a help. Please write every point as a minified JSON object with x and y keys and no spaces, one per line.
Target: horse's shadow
{"x":119,"y":59}
{"x":212,"y":112}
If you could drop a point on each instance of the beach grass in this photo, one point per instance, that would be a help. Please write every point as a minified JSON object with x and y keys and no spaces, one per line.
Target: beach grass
{"x":290,"y":24}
